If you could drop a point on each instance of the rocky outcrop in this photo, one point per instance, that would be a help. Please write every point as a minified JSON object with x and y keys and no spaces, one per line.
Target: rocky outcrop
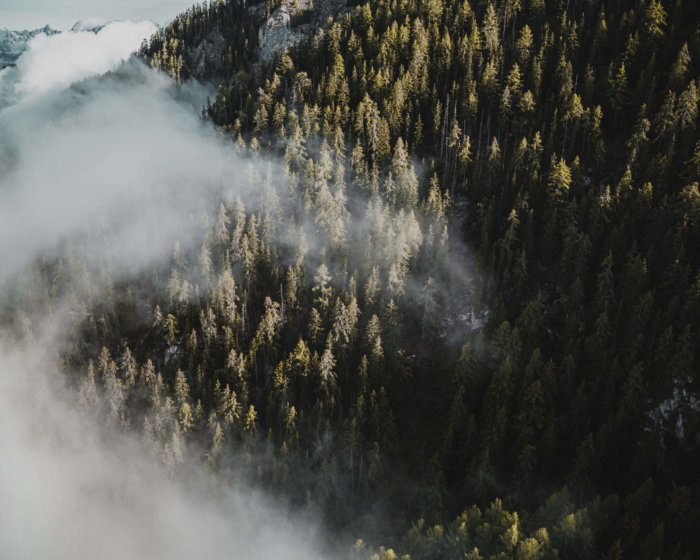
{"x":207,"y":55}
{"x":279,"y":30}
{"x":276,"y":33}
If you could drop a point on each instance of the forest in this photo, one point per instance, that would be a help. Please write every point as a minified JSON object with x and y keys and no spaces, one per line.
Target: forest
{"x":454,"y":305}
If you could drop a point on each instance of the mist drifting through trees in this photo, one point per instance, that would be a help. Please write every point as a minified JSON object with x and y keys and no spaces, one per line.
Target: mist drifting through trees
{"x":81,"y":170}
{"x":105,"y":175}
{"x":421,"y":282}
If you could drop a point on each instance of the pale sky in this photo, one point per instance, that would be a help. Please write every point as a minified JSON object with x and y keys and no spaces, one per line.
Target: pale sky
{"x":62,"y":14}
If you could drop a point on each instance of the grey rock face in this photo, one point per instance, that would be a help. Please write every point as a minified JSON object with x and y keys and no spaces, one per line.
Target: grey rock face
{"x":276,"y":33}
{"x":208,"y":53}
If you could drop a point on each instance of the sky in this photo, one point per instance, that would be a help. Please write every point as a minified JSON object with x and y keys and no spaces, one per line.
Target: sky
{"x":62,"y":14}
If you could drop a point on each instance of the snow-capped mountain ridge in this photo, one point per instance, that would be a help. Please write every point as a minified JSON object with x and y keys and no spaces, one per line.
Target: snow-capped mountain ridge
{"x":92,"y":25}
{"x":13,"y":43}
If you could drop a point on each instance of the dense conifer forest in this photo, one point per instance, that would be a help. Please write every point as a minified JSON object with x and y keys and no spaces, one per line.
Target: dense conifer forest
{"x":458,"y":310}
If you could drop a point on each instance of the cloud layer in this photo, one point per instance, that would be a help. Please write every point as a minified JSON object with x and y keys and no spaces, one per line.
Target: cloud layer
{"x":59,"y":60}
{"x":126,"y":152}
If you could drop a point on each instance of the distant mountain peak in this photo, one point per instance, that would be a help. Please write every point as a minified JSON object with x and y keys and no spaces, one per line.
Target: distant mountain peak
{"x":13,"y":43}
{"x":92,"y":25}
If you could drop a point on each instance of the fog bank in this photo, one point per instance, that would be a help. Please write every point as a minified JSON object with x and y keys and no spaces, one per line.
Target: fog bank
{"x":126,"y":153}
{"x":70,"y":492}
{"x":58,"y":60}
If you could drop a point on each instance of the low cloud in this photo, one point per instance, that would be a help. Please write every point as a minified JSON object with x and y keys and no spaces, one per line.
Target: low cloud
{"x":125,"y":153}
{"x":55,"y":61}
{"x":69,"y":490}
{"x":62,"y":14}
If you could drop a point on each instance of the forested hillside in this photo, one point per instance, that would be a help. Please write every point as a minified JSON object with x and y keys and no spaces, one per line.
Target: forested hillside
{"x":459,"y":309}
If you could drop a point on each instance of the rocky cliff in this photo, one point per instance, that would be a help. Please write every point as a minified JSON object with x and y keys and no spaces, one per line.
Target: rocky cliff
{"x":289,"y":22}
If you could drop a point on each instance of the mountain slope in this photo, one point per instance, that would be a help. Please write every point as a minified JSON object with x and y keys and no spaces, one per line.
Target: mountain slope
{"x":560,"y":141}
